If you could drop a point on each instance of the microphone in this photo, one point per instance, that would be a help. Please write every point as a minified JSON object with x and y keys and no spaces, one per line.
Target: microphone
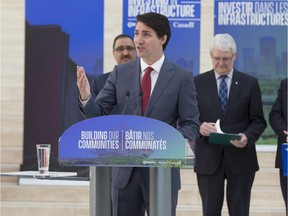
{"x":126,"y":100}
{"x":139,"y":99}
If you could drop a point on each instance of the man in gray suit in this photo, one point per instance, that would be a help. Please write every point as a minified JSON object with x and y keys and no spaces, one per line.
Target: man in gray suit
{"x":172,"y":100}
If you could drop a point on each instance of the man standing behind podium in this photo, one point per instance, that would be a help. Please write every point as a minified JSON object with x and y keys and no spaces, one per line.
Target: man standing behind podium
{"x":123,"y":52}
{"x":172,"y":100}
{"x":238,"y":105}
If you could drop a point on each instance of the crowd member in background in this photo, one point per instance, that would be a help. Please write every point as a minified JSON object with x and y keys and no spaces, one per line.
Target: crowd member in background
{"x":123,"y":52}
{"x":158,"y":89}
{"x":278,"y":122}
{"x":234,"y":98}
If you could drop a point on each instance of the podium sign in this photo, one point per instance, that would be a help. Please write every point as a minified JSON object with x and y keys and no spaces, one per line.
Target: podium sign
{"x":122,"y":140}
{"x":285,"y":158}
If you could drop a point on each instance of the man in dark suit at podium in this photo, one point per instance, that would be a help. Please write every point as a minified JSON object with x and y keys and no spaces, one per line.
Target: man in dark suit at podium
{"x":235,"y":98}
{"x":172,"y":100}
{"x":123,"y":52}
{"x":278,"y":122}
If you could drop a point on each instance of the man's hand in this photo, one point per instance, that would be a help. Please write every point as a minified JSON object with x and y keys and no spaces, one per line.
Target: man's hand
{"x":240,"y":143}
{"x":83,"y":84}
{"x":286,"y":133}
{"x":206,"y":128}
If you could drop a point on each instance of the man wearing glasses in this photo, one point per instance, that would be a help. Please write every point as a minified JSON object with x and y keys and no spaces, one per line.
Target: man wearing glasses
{"x":234,"y":98}
{"x":123,"y":52}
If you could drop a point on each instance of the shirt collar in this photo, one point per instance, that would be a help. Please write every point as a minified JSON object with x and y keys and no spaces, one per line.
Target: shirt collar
{"x":229,"y":75}
{"x":156,"y":66}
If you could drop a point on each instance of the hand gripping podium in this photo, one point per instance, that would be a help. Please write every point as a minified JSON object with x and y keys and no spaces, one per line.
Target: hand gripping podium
{"x":124,"y":141}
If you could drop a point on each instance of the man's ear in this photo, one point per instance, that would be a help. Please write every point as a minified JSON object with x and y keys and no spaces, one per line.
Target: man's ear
{"x":164,"y":39}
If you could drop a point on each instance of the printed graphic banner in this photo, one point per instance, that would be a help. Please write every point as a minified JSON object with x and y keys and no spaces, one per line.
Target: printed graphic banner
{"x":260,"y":31}
{"x":59,"y":35}
{"x":83,"y":22}
{"x":122,"y":140}
{"x":184,"y":17}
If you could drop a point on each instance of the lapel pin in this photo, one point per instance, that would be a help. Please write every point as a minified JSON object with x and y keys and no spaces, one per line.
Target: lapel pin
{"x":236,"y":83}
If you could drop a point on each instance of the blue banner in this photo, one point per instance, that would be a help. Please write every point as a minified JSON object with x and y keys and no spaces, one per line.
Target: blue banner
{"x":260,"y":31}
{"x":122,"y":140}
{"x":83,"y":22}
{"x":184,"y":17}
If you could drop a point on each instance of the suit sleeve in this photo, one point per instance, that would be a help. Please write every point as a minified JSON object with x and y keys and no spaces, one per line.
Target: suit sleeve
{"x":257,"y":121}
{"x":188,"y":109}
{"x":94,"y":88}
{"x":276,"y":116}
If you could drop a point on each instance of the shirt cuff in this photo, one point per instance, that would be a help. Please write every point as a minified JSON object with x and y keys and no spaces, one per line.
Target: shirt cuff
{"x":83,"y":103}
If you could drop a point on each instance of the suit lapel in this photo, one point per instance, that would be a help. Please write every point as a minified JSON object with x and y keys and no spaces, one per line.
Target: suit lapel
{"x":234,"y":88}
{"x":166,"y":73}
{"x":212,"y":84}
{"x":135,"y":76}
{"x":134,"y":82}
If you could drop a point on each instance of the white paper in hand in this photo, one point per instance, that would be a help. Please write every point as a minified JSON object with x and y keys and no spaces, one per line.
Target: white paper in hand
{"x":217,"y":125}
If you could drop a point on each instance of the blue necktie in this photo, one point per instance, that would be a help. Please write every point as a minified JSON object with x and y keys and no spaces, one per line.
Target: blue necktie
{"x":223,"y":92}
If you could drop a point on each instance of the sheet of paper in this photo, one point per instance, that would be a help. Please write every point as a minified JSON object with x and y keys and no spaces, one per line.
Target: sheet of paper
{"x":217,"y":125}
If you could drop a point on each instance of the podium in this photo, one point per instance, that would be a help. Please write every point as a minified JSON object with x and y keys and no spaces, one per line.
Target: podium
{"x":124,"y":141}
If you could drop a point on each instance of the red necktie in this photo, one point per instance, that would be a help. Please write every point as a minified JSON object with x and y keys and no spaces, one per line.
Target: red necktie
{"x":146,"y":88}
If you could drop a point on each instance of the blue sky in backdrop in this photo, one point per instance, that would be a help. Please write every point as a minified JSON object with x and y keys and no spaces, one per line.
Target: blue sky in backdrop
{"x":81,"y":20}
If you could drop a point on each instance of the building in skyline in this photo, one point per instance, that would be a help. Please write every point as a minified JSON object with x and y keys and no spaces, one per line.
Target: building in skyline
{"x":267,"y":57}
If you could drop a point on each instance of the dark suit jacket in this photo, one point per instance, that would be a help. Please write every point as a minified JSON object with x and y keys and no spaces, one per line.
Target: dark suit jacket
{"x":278,"y":119}
{"x":173,"y":101}
{"x":98,"y":83}
{"x":243,"y":114}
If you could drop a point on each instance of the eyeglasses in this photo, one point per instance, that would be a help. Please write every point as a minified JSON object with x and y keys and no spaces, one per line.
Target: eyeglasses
{"x":224,"y":59}
{"x":122,"y":48}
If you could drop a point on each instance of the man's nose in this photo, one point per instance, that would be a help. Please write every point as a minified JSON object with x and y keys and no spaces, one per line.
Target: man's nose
{"x":125,"y":52}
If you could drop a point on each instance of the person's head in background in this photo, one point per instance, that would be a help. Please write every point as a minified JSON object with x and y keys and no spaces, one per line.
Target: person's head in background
{"x":123,"y":49}
{"x":223,"y":52}
{"x":151,"y":36}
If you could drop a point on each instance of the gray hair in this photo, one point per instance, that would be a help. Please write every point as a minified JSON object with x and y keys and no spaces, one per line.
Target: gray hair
{"x":224,"y":42}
